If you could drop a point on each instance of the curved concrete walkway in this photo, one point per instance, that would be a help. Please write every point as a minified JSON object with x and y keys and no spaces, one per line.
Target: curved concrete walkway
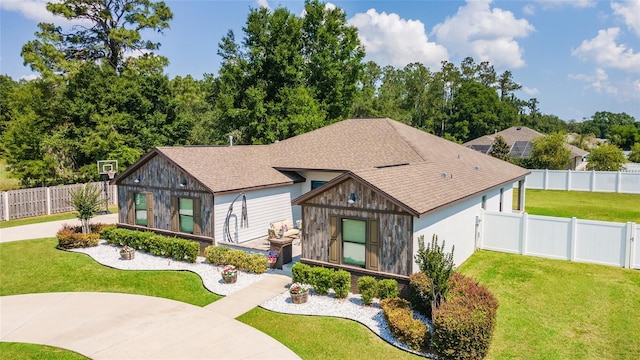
{"x":125,"y":326}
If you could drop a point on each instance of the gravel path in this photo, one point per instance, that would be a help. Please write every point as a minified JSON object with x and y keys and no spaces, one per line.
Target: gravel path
{"x":325,"y":305}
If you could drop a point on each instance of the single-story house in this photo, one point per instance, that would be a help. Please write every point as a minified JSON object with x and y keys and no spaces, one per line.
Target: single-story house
{"x":364,"y":190}
{"x":520,"y":142}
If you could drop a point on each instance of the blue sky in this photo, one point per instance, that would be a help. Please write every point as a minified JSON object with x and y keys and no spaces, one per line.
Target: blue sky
{"x":576,"y":57}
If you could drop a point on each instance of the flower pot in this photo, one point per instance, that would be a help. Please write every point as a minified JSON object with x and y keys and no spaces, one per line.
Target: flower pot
{"x":127,"y":255}
{"x":230,"y":279}
{"x":300,"y":298}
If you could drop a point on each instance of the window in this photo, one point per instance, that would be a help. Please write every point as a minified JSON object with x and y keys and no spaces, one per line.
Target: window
{"x":354,"y":239}
{"x":141,"y":209}
{"x":186,"y":215}
{"x":316,"y":184}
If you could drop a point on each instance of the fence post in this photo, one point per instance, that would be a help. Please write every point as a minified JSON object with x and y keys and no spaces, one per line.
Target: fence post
{"x":48,"y":197}
{"x":618,"y":181}
{"x":523,"y":234}
{"x":593,"y":181}
{"x":5,"y":199}
{"x":545,"y":180}
{"x":628,"y":259}
{"x":568,"y":180}
{"x":574,"y":238}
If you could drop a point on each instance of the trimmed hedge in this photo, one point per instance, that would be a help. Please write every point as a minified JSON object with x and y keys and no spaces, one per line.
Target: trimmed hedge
{"x":341,"y":283}
{"x":463,"y":324}
{"x":72,"y":238}
{"x":322,"y":278}
{"x":368,"y":288}
{"x":388,"y":288}
{"x":409,"y":331}
{"x":157,"y":245}
{"x":301,"y":273}
{"x":221,"y":255}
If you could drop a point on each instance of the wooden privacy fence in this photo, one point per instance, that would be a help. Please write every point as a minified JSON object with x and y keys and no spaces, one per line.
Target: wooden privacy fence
{"x":599,"y":242}
{"x":22,"y":203}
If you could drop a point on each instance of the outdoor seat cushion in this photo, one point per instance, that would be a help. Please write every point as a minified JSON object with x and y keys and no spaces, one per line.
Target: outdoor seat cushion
{"x":286,"y":226}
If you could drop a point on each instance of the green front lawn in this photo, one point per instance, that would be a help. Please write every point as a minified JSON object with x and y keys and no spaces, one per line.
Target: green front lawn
{"x":24,"y":351}
{"x":47,"y":218}
{"x":36,"y":266}
{"x":584,"y":205}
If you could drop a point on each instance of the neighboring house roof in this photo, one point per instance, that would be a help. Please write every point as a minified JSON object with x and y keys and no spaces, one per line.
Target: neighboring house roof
{"x":519,"y":139}
{"x":399,"y":160}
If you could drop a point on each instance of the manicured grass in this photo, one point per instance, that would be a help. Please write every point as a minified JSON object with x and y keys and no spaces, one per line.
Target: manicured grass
{"x":46,"y":218}
{"x":318,"y":337}
{"x":36,"y":266}
{"x":584,"y":205}
{"x":553,"y":309}
{"x":24,"y":351}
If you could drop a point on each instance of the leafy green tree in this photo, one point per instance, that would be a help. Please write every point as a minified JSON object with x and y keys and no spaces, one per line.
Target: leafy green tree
{"x":86,"y":200}
{"x":437,"y":264}
{"x":624,"y":136}
{"x":114,"y":28}
{"x":476,"y":109}
{"x":634,"y":156}
{"x":286,"y":68}
{"x":500,"y":149}
{"x":606,"y":157}
{"x":549,"y":152}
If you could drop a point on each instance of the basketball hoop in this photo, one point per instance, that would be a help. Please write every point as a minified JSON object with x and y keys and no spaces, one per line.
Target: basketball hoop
{"x":111,"y":174}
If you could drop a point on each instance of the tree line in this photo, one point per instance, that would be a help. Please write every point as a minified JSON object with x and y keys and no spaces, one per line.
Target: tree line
{"x":287,"y":75}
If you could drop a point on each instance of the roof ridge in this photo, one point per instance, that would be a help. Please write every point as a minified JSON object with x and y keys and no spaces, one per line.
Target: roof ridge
{"x":391,"y":123}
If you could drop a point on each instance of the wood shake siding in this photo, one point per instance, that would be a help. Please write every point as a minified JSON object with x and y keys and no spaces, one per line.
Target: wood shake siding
{"x":394,"y":225}
{"x":162,"y":180}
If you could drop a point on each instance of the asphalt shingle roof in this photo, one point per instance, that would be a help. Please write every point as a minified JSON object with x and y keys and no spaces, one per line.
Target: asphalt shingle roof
{"x":368,"y":148}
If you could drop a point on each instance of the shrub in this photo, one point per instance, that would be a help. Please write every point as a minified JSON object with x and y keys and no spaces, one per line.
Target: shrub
{"x":221,"y":255}
{"x":321,"y":279}
{"x":367,"y":287}
{"x":158,"y":245}
{"x":409,"y":331}
{"x":437,"y":265}
{"x":420,"y":293}
{"x":69,"y":238}
{"x":216,"y":255}
{"x":464,"y":322}
{"x":301,"y":273}
{"x":341,"y":283}
{"x":387,"y":288}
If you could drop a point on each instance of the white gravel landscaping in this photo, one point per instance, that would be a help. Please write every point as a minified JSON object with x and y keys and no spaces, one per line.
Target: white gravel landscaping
{"x":324,"y":305}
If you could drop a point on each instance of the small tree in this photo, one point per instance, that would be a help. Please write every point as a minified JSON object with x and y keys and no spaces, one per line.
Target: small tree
{"x":550,"y":152}
{"x":634,"y":156}
{"x":437,"y":265}
{"x":86,"y":201}
{"x":607,"y":157}
{"x":500,"y":149}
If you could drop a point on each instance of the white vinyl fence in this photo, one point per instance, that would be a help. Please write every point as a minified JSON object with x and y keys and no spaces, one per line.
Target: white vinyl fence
{"x":596,"y":181}
{"x":598,"y":242}
{"x":22,"y":203}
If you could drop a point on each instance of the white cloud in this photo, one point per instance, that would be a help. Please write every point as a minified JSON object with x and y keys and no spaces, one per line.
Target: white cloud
{"x":37,"y":10}
{"x":630,"y":12}
{"x":529,"y":9}
{"x":530,"y":91}
{"x":485,"y":34}
{"x":29,"y":77}
{"x":391,"y":40}
{"x":599,"y":81}
{"x":264,"y":4}
{"x":604,"y":51}
{"x":580,"y":4}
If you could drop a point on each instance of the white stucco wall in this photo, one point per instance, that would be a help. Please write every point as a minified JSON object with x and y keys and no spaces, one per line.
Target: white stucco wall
{"x":457,"y":224}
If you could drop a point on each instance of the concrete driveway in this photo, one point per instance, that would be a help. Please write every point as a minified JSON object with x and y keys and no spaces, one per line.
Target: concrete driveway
{"x":47,"y":229}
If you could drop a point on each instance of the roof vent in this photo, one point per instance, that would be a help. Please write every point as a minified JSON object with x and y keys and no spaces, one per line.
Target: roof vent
{"x":518,"y":128}
{"x":444,"y":175}
{"x":477,"y":168}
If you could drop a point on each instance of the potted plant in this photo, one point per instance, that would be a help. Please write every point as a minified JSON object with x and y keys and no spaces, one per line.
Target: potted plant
{"x":299,"y":293}
{"x":272,"y":258}
{"x":229,"y":274}
{"x":127,"y":253}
